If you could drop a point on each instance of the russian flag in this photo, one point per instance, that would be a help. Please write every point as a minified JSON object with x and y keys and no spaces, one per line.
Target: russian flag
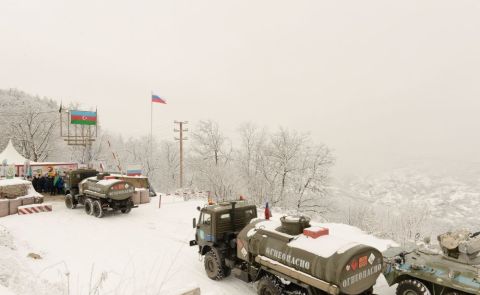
{"x":156,"y":98}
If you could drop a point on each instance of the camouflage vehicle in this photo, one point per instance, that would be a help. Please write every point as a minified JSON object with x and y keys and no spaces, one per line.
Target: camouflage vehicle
{"x":283,"y":257}
{"x":455,"y":270}
{"x":99,"y":194}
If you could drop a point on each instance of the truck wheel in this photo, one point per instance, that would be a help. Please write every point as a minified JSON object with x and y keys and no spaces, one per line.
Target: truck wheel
{"x":213,"y":266}
{"x":88,"y":206}
{"x":412,"y":287}
{"x":97,"y":209}
{"x":268,"y":285}
{"x":69,"y":202}
{"x":128,"y":208}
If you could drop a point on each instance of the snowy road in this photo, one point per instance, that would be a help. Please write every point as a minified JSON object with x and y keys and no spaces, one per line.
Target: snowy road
{"x":145,"y":252}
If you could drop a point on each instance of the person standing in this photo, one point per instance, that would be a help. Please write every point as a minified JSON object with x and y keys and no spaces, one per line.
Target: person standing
{"x":42,"y":184}
{"x":55,"y":183}
{"x":35,"y":182}
{"x":59,"y":185}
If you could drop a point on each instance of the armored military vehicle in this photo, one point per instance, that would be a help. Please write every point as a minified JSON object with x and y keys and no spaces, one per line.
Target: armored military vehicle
{"x":99,"y":194}
{"x":454,"y":269}
{"x":287,"y":257}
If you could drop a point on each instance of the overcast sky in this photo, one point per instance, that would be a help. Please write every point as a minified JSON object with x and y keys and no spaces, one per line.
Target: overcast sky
{"x":381,"y":82}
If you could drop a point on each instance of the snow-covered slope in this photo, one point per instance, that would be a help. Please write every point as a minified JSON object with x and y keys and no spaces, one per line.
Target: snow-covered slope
{"x":432,"y":202}
{"x":145,"y":252}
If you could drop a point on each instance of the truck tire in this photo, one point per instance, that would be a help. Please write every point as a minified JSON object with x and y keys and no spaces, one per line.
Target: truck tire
{"x":269,"y":285}
{"x":97,"y":209}
{"x":214,"y":267}
{"x":69,"y":202}
{"x":88,"y":206}
{"x":128,"y":208}
{"x":412,"y":287}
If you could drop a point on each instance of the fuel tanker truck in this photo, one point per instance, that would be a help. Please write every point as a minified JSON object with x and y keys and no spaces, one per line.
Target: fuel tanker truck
{"x":286,"y":257}
{"x":100,"y":194}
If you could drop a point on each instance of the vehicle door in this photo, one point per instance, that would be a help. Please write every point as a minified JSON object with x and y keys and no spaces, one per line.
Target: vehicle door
{"x":204,"y":227}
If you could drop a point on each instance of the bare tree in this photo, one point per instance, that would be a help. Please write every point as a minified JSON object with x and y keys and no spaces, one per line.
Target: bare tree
{"x":34,"y":133}
{"x":249,"y":158}
{"x":311,"y":179}
{"x":211,"y":159}
{"x":210,"y":143}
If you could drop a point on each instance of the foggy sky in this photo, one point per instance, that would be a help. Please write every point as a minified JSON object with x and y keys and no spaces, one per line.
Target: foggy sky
{"x":380,"y":82}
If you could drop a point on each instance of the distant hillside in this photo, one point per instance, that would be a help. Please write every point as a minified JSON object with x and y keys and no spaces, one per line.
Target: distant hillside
{"x":412,"y":200}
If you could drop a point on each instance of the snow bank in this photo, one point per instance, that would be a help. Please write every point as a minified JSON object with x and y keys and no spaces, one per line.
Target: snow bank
{"x":14,"y":181}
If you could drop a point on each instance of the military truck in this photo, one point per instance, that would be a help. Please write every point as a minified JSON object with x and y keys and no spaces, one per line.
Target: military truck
{"x":454,"y":269}
{"x":287,"y":257}
{"x":100,"y":194}
{"x":73,"y":178}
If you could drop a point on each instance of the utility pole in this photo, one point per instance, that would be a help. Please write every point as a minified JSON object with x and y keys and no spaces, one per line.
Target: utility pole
{"x":181,"y":129}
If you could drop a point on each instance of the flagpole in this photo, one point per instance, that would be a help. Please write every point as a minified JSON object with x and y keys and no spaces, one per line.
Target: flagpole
{"x":151,"y":123}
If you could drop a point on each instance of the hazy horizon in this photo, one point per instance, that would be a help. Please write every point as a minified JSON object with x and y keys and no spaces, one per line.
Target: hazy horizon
{"x":381,"y":83}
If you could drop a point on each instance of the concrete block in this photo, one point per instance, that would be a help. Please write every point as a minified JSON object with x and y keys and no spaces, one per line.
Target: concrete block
{"x":14,"y":204}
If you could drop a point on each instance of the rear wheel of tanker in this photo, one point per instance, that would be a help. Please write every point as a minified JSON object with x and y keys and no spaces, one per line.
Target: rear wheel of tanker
{"x":128,"y":208}
{"x":69,"y":202}
{"x":412,"y":287}
{"x":269,"y":285}
{"x":88,"y":206}
{"x":213,"y":266}
{"x":97,"y":209}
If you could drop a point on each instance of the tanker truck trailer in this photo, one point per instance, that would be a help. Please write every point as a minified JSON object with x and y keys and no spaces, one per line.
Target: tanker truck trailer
{"x":286,"y":257}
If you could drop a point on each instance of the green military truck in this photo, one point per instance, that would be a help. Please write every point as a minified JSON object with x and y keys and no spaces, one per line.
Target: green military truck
{"x":454,"y":269}
{"x":98,"y":194}
{"x":73,"y":179}
{"x":283,"y":257}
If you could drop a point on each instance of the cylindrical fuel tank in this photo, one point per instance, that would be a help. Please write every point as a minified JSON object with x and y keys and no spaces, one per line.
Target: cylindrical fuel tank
{"x":352,"y":267}
{"x":106,"y":188}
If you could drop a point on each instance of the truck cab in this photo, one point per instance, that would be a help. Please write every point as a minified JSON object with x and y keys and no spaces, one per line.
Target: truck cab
{"x":220,"y":222}
{"x":216,"y":231}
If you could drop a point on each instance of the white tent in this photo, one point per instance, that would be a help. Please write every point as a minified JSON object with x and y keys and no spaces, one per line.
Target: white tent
{"x":11,"y":155}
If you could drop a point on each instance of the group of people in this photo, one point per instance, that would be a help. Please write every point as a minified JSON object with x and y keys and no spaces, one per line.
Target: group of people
{"x":52,"y":183}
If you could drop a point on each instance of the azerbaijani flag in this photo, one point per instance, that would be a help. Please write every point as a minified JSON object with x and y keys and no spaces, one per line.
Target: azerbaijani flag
{"x":156,"y":98}
{"x":83,"y":117}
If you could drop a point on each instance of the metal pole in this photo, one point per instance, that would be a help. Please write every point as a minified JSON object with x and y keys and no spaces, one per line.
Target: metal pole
{"x":181,"y":154}
{"x":181,"y":139}
{"x":151,"y":124}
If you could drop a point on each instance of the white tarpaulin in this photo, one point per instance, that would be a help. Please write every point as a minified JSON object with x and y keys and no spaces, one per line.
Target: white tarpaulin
{"x":11,"y":155}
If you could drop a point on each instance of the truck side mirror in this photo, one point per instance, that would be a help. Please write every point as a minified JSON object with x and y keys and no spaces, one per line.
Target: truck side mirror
{"x":198,"y":208}
{"x":194,"y":222}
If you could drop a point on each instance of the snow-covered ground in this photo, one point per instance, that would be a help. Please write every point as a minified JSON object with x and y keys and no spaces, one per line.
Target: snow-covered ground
{"x":145,"y":252}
